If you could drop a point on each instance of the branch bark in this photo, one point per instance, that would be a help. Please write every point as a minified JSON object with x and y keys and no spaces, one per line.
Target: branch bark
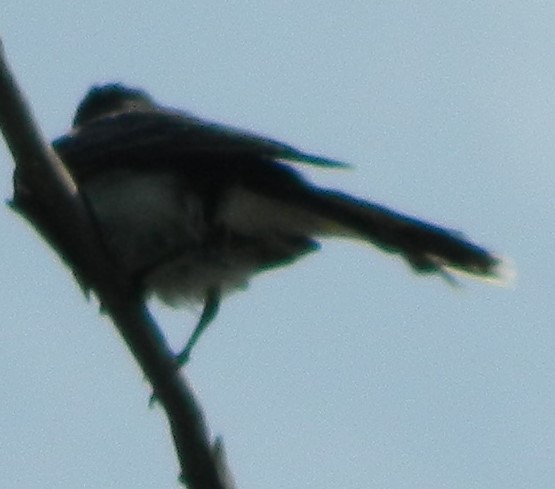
{"x":202,"y":464}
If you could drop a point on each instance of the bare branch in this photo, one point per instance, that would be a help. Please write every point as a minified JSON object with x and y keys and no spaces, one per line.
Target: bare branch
{"x":79,"y":244}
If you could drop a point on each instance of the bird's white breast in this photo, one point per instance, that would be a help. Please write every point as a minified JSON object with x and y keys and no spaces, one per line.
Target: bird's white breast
{"x":153,"y":222}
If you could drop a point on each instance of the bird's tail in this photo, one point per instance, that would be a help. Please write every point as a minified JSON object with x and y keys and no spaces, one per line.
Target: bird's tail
{"x":427,"y":248}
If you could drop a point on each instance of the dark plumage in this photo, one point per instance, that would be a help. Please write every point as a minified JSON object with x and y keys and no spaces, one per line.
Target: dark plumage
{"x":192,"y":209}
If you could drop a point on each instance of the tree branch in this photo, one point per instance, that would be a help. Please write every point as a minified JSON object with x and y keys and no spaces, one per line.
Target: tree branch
{"x":67,"y":219}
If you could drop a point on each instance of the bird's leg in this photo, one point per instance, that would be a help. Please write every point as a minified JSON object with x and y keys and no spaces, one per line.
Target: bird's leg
{"x":209,"y":312}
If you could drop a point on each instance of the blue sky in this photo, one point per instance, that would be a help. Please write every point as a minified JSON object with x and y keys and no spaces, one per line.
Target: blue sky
{"x":346,"y":370}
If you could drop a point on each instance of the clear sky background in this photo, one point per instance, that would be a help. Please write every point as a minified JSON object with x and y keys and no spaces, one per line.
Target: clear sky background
{"x":345,"y":371}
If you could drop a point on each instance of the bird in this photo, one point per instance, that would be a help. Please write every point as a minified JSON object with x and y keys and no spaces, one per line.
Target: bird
{"x":191,"y":209}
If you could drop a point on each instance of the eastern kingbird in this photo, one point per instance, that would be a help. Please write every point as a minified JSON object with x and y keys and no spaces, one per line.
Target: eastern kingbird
{"x":191,"y":209}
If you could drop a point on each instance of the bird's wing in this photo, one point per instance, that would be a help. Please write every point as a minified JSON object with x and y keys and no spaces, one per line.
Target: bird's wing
{"x":208,"y":134}
{"x":176,"y":134}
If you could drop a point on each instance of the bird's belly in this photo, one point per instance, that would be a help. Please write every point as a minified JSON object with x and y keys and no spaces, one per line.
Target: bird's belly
{"x":153,"y":229}
{"x":186,"y":280}
{"x":158,"y":231}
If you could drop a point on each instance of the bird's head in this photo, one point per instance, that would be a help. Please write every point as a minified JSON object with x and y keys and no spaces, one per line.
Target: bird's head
{"x":103,"y":100}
